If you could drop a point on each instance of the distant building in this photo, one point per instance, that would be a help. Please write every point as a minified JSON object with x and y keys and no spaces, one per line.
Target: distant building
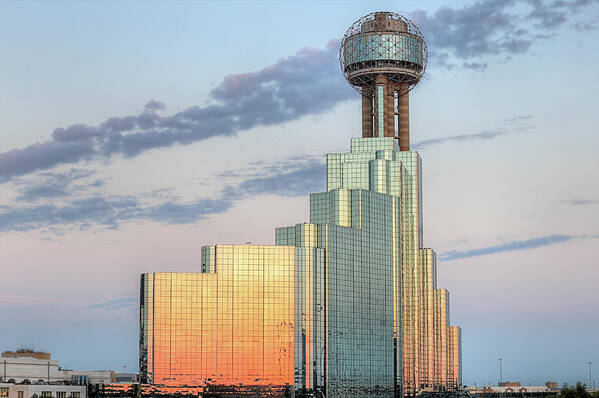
{"x":509,"y":384}
{"x":552,"y":385}
{"x":10,"y":390}
{"x":31,"y":366}
{"x":126,"y":378}
{"x":512,"y":387}
{"x":93,"y":377}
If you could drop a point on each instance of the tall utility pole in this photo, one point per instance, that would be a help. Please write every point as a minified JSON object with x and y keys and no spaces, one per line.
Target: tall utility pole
{"x":500,"y":370}
{"x":590,"y":373}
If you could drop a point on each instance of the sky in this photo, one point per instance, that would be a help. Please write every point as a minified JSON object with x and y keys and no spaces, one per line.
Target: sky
{"x":132,"y":134}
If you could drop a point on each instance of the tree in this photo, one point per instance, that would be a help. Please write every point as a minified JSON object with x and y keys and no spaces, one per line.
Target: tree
{"x":578,"y":391}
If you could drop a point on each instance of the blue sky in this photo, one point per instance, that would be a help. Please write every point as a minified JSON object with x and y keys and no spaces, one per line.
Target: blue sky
{"x":133,"y":133}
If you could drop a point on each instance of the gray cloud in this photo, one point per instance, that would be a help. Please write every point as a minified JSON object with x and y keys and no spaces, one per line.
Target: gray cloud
{"x":485,"y":135}
{"x":43,"y":156}
{"x":579,"y":202}
{"x":291,"y":177}
{"x":586,"y":26}
{"x":173,"y":212}
{"x":117,"y":304}
{"x":292,"y":183}
{"x":475,"y":65}
{"x":507,"y":247}
{"x":306,"y":83}
{"x":519,"y":118}
{"x":493,"y":28}
{"x":510,"y":126}
{"x":294,"y":176}
{"x":108,"y":212}
{"x":105,"y":211}
{"x":49,"y":185}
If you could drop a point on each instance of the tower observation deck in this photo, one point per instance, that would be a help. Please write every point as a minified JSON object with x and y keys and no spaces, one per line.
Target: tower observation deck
{"x":383,"y":56}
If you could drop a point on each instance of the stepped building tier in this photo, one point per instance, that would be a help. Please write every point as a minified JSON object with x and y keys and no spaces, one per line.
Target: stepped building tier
{"x":346,"y":305}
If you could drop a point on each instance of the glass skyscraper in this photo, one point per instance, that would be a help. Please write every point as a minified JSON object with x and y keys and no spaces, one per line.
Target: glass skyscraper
{"x":346,"y":305}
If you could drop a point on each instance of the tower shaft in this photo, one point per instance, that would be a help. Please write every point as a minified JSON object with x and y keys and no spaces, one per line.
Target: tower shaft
{"x":379,"y":111}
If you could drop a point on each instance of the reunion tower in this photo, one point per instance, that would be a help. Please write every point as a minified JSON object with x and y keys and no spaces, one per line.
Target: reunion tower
{"x":383,"y":56}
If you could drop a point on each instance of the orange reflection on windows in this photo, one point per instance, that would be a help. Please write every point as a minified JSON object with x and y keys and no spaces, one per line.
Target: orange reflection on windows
{"x":229,"y":327}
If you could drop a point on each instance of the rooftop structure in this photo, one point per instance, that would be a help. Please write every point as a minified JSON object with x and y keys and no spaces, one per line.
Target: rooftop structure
{"x":26,"y":353}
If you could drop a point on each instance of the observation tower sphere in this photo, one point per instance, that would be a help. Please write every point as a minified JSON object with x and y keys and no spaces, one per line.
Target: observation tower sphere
{"x":383,"y":56}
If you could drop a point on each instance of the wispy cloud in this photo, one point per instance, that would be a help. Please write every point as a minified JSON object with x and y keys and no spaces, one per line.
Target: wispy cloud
{"x":285,"y":178}
{"x":117,"y":304}
{"x":295,"y":176}
{"x":485,"y":135}
{"x":519,"y":118}
{"x":510,"y":126}
{"x":49,"y":185}
{"x":586,"y":26}
{"x":515,"y":245}
{"x":579,"y":202}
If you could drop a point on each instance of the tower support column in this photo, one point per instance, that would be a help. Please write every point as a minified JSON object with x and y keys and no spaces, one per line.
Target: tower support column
{"x":380,"y":106}
{"x":390,"y":109}
{"x":367,"y":114}
{"x":403,"y":122}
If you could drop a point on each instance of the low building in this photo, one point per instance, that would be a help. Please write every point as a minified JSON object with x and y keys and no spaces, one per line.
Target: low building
{"x":512,"y":388}
{"x":31,"y":366}
{"x":34,"y":367}
{"x":101,"y":377}
{"x":11,"y":390}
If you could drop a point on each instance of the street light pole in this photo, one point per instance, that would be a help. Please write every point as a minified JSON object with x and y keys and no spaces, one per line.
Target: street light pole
{"x":500,"y":370}
{"x":590,"y":373}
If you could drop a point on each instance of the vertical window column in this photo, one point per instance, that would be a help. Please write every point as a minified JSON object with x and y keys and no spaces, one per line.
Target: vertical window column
{"x":380,"y":100}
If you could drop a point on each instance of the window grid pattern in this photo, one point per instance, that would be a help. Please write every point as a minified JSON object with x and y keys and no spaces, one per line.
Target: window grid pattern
{"x":354,"y":343}
{"x":233,"y":327}
{"x":346,"y":305}
{"x":424,"y":319}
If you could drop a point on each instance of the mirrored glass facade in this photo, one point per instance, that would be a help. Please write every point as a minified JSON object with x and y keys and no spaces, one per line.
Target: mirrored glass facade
{"x":379,"y":46}
{"x":346,"y":305}
{"x":376,"y":164}
{"x":229,"y":325}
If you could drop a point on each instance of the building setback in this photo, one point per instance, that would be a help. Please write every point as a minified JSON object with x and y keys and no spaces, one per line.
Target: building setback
{"x":346,"y":305}
{"x":324,"y":308}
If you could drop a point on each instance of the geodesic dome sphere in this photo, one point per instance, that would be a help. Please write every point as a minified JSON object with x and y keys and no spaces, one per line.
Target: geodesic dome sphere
{"x":382,"y":43}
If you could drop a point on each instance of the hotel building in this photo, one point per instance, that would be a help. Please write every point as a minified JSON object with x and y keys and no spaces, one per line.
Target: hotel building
{"x":346,"y":305}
